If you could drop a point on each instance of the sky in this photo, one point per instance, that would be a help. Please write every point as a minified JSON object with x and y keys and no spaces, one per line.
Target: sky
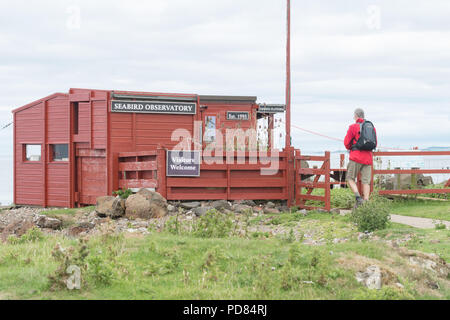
{"x":391,"y":58}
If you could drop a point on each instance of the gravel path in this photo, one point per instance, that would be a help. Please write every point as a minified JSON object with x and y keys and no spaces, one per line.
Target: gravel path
{"x":417,"y":222}
{"x":423,"y":223}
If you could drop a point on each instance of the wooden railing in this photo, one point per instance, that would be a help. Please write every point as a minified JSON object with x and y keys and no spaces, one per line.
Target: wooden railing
{"x":303,"y":173}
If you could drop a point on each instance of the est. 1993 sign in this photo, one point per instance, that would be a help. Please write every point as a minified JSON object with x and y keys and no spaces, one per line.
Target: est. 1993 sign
{"x":183,"y":163}
{"x":238,"y":115}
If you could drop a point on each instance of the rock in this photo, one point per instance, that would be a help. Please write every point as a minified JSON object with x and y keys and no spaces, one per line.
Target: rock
{"x":270,"y":205}
{"x":371,"y":278}
{"x":138,"y":206}
{"x":245,"y":202}
{"x":433,"y":285}
{"x":76,"y":231}
{"x":284,"y":209}
{"x":271,"y":210}
{"x":17,"y":228}
{"x":221,"y":205}
{"x":399,"y":285}
{"x":190,"y":205}
{"x":171,"y":208}
{"x":258,"y":209}
{"x":242,"y":208}
{"x":146,"y":204}
{"x":107,"y":206}
{"x":303,"y":211}
{"x":200,"y":211}
{"x":86,"y":225}
{"x":49,"y":223}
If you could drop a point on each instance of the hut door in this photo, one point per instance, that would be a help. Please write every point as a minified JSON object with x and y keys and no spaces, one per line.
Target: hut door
{"x":91,"y":176}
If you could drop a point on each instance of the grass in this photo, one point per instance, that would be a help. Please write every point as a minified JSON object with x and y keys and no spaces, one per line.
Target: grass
{"x":164,"y":265}
{"x":438,"y":210}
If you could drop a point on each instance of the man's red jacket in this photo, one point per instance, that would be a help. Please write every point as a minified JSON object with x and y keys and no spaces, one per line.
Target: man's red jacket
{"x":353,"y":133}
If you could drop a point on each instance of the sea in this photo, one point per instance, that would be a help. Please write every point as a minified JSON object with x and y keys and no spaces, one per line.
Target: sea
{"x":403,"y":162}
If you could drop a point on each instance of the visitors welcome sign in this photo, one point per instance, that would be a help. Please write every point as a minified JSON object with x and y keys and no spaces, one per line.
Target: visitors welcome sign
{"x":183,"y":163}
{"x":153,"y":107}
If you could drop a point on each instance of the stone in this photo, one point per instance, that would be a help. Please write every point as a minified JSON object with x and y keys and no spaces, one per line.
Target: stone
{"x":190,"y":205}
{"x":200,"y":211}
{"x":113,"y":207}
{"x":242,"y":208}
{"x":86,"y":225}
{"x":77,"y":230}
{"x":271,"y":211}
{"x":48,"y":223}
{"x":171,"y":208}
{"x":371,"y":278}
{"x":17,"y":228}
{"x":220,"y":205}
{"x":270,"y":205}
{"x":245,"y":202}
{"x":258,"y":209}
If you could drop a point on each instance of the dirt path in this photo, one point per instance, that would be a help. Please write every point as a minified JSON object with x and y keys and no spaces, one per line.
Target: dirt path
{"x":423,"y":223}
{"x":417,"y":222}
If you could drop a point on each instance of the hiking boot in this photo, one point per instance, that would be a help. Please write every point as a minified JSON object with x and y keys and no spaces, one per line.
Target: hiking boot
{"x":358,"y":203}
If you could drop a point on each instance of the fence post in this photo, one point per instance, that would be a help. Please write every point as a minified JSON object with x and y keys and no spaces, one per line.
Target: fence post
{"x":161,"y":171}
{"x":327,"y":182}
{"x":297,"y":179}
{"x":290,"y":172}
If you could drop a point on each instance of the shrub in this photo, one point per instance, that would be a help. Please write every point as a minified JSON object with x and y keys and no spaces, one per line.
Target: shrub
{"x":213,"y":224}
{"x":100,"y":271}
{"x":372,"y":215}
{"x":123,"y":193}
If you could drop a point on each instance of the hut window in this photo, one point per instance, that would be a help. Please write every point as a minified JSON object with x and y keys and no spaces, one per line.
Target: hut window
{"x":210,"y":128}
{"x":60,"y":152}
{"x":32,"y":152}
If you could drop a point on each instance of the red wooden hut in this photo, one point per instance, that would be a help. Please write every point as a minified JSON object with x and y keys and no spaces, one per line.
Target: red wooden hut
{"x":70,"y":148}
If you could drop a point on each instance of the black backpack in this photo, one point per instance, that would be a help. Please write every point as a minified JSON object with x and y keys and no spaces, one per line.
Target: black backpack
{"x":368,"y":137}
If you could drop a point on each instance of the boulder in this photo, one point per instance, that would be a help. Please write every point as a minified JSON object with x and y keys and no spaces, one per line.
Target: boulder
{"x":221,"y":205}
{"x":158,"y":204}
{"x":49,"y":223}
{"x":146,"y":204}
{"x":113,"y":207}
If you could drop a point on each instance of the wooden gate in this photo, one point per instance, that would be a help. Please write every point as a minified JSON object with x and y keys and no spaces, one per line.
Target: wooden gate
{"x":301,"y":174}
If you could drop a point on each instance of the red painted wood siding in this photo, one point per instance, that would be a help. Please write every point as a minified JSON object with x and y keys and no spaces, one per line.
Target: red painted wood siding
{"x":143,"y":132}
{"x":42,"y":183}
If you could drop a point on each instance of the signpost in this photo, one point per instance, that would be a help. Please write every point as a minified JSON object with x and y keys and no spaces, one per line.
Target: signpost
{"x":271,"y":108}
{"x":183,"y":163}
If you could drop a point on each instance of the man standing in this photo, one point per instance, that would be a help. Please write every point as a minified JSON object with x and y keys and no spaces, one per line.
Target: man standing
{"x":360,"y":160}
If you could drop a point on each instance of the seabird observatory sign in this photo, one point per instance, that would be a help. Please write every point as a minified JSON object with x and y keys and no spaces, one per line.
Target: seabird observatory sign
{"x":153,"y":107}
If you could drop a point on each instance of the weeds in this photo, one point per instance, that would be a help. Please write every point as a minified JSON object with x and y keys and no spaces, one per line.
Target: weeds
{"x":33,"y":234}
{"x":372,"y":215}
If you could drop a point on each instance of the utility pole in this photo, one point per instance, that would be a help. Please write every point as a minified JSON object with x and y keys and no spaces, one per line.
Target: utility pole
{"x":288,"y":77}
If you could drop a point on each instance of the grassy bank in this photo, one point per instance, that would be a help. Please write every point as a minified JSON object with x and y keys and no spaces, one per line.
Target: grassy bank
{"x":256,"y":264}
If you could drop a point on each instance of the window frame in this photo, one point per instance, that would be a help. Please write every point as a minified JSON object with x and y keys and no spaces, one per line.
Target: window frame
{"x":25,"y":153}
{"x":51,"y":153}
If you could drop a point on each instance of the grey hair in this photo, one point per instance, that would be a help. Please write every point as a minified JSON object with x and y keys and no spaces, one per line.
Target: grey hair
{"x":359,"y":113}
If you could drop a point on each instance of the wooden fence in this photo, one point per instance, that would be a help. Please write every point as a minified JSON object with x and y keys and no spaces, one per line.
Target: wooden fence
{"x":240,"y":176}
